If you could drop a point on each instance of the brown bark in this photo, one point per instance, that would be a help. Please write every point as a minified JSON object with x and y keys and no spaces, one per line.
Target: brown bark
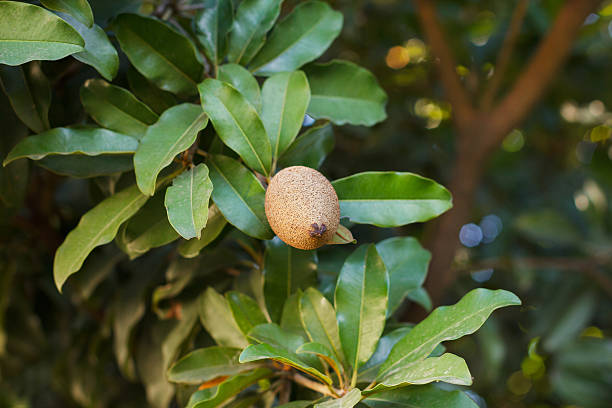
{"x":480,"y":132}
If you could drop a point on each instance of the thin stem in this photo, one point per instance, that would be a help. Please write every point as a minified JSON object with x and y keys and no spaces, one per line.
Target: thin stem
{"x":315,"y":386}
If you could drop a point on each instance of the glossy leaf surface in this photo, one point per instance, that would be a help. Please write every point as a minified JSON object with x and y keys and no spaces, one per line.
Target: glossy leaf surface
{"x":345,"y":93}
{"x":38,"y":35}
{"x":285,"y":99}
{"x":239,"y":196}
{"x":211,"y":26}
{"x":175,"y":131}
{"x":286,"y":270}
{"x":300,"y":38}
{"x":159,"y":52}
{"x":245,"y":310}
{"x":79,"y":9}
{"x":187,"y":201}
{"x":390,"y":199}
{"x":237,"y":123}
{"x":427,"y":396}
{"x":116,"y":108}
{"x":310,"y":148}
{"x":244,"y":82}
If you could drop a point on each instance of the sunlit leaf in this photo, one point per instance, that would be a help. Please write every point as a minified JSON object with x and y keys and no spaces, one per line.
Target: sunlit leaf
{"x":79,"y":9}
{"x":244,"y":82}
{"x":211,"y":26}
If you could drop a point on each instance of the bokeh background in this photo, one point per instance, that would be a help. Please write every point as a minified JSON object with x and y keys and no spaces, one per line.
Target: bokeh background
{"x":539,"y":224}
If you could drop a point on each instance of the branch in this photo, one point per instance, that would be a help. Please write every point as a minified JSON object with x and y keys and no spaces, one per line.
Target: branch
{"x":503,"y":58}
{"x":455,"y":92}
{"x":314,"y":385}
{"x":531,"y":84}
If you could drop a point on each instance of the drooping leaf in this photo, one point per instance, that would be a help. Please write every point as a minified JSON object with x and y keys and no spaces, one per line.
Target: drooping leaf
{"x":79,"y":9}
{"x":252,"y":21}
{"x":319,"y":321}
{"x":407,"y":262}
{"x":266,"y":351}
{"x":211,"y":26}
{"x":426,"y":396}
{"x":237,"y":123}
{"x":285,"y":98}
{"x":116,"y":108}
{"x":205,"y":364}
{"x":345,"y":93}
{"x":148,"y":228}
{"x":448,"y":368}
{"x":159,"y":52}
{"x":361,"y":304}
{"x":228,"y":389}
{"x":349,"y":400}
{"x":99,"y":51}
{"x":244,"y":82}
{"x":310,"y":148}
{"x":342,"y":236}
{"x":187,"y":201}
{"x":97,"y":227}
{"x":82,"y":166}
{"x":38,"y":35}
{"x":217,"y":319}
{"x":175,"y":131}
{"x":301,"y":37}
{"x":156,"y":99}
{"x":390,"y":199}
{"x":215,"y":224}
{"x":286,"y":270}
{"x":245,"y":310}
{"x":239,"y":196}
{"x":62,"y":141}
{"x":446,"y":323}
{"x":29,"y":93}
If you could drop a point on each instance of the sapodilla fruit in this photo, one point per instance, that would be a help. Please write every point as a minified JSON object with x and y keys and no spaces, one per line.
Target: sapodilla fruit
{"x":302,"y":207}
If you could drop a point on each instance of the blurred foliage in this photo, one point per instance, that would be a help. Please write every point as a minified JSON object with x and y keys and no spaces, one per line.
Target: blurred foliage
{"x":550,"y":186}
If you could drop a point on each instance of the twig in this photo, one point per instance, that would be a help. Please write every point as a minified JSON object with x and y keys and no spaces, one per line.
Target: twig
{"x":315,"y":386}
{"x":503,"y":58}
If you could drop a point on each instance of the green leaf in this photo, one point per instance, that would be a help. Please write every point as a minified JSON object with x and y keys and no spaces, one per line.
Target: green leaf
{"x":239,"y":196}
{"x":81,"y":166}
{"x":97,"y":227}
{"x":217,"y":319}
{"x":245,"y":310}
{"x":79,"y":9}
{"x":244,"y":82}
{"x":324,"y":353}
{"x":175,"y":131}
{"x":407,"y":262}
{"x":285,"y":99}
{"x":99,"y":51}
{"x":286,"y":270}
{"x":446,"y":323}
{"x":390,"y":199}
{"x":361,"y":304}
{"x":345,"y":93}
{"x":319,"y":321}
{"x":420,"y":297}
{"x":211,"y":26}
{"x":158,"y":100}
{"x":159,"y":52}
{"x":349,"y":400}
{"x":448,"y":368}
{"x":310,"y":148}
{"x":342,"y":236}
{"x":148,"y":228}
{"x":301,"y":37}
{"x":290,"y":318}
{"x":274,"y":335}
{"x":187,"y":201}
{"x":367,"y":372}
{"x":266,"y":351}
{"x":215,"y":224}
{"x":206,"y":364}
{"x":237,"y":123}
{"x":29,"y":93}
{"x":296,"y":404}
{"x":229,"y":388}
{"x":116,"y":108}
{"x":426,"y":396}
{"x":39,"y":35}
{"x":60,"y":141}
{"x":253,"y":20}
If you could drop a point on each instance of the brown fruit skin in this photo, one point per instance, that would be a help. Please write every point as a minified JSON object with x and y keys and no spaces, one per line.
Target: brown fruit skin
{"x":297,"y":198}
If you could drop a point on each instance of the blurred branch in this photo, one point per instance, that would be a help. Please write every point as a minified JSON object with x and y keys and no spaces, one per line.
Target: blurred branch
{"x":505,"y":53}
{"x":588,"y":266}
{"x":456,"y":93}
{"x":534,"y":80}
